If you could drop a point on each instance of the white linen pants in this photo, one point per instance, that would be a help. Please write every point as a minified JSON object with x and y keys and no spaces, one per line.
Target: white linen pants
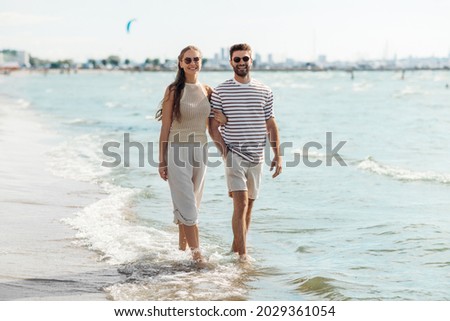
{"x":186,"y":166}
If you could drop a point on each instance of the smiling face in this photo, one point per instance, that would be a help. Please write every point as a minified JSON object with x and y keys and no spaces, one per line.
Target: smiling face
{"x":240,"y":66}
{"x":191,"y":62}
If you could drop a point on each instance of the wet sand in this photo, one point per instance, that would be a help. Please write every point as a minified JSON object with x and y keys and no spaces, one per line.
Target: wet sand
{"x":38,"y":260}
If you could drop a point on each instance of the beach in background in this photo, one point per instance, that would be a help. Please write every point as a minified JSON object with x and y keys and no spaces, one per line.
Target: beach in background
{"x":375,"y":229}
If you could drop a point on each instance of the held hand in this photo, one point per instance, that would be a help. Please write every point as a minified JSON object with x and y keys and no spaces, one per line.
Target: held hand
{"x":219,"y":117}
{"x":163,"y":171}
{"x":277,"y":163}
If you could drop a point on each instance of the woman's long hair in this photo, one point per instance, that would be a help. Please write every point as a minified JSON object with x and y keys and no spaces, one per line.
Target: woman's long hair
{"x":177,"y":86}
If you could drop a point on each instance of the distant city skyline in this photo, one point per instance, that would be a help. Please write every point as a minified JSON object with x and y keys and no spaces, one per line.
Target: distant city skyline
{"x":301,"y":30}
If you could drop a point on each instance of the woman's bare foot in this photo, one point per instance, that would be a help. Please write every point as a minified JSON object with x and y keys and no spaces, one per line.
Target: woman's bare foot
{"x":197,"y":255}
{"x":243,"y":258}
{"x":199,"y":259}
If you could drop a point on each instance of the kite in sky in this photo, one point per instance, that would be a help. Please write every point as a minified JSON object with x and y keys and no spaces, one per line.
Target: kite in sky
{"x":129,"y":25}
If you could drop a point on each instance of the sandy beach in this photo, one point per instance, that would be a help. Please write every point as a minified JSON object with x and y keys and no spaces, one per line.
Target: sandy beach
{"x":38,"y":260}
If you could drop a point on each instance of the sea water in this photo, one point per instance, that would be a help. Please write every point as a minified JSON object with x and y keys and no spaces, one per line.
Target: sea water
{"x":370,"y":222}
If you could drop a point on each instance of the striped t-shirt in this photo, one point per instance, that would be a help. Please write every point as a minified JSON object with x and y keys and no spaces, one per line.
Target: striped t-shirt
{"x":247,"y":108}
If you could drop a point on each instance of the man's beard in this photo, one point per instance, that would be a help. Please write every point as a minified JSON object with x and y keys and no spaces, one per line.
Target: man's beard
{"x":241,"y":72}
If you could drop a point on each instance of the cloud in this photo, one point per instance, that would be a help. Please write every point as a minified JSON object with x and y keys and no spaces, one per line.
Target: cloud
{"x":17,"y":19}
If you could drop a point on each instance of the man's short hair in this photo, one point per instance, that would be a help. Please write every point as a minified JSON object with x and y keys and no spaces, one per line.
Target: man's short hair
{"x":239,"y":47}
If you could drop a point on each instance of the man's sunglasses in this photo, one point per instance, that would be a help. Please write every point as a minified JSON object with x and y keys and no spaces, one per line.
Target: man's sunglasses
{"x":238,"y":59}
{"x":188,"y":60}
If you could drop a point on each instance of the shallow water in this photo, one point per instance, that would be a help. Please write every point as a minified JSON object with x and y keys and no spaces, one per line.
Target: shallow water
{"x":376,"y":229}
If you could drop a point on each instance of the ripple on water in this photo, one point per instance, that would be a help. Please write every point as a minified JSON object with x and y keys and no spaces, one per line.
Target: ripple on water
{"x":321,"y":287}
{"x":298,"y":231}
{"x":304,"y":249}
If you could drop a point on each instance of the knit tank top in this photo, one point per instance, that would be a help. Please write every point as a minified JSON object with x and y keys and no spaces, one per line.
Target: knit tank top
{"x":194,"y":110}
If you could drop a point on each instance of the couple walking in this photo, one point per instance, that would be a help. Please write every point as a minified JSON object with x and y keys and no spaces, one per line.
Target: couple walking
{"x":239,"y":113}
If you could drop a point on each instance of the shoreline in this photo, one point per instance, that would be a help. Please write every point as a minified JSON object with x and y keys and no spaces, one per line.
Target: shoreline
{"x":38,"y":260}
{"x":22,"y":72}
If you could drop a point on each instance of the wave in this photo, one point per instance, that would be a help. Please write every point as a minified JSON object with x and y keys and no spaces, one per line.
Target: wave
{"x":319,"y":286}
{"x":110,"y":104}
{"x":114,"y":105}
{"x":104,"y":228}
{"x":301,"y":86}
{"x":310,"y":153}
{"x":148,"y":256}
{"x":181,"y":281}
{"x":362,"y":86}
{"x":408,"y":91}
{"x":82,"y":122}
{"x":371,"y":165}
{"x":79,"y":159}
{"x":19,"y":103}
{"x":22,"y":103}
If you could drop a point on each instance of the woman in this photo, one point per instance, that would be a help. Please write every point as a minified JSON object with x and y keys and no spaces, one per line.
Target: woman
{"x":182,"y":145}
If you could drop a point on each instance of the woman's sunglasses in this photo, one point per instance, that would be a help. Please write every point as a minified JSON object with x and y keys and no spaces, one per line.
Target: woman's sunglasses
{"x":238,"y":59}
{"x":188,"y":60}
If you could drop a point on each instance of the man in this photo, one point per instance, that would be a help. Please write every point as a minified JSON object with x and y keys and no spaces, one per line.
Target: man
{"x":248,"y":106}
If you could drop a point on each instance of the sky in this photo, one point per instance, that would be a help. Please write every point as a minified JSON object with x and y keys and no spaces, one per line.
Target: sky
{"x":298,"y":29}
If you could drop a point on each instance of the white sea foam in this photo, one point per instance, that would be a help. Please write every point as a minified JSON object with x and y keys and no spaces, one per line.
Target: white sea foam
{"x":104,"y":227}
{"x":399,"y":173}
{"x":361,"y":86}
{"x":114,"y":105}
{"x":155,"y":268}
{"x":111,"y":104}
{"x":78,"y":158}
{"x":219,"y":283}
{"x":81,"y":121}
{"x":301,"y":86}
{"x":22,"y":103}
{"x":311,"y":153}
{"x":409,"y":91}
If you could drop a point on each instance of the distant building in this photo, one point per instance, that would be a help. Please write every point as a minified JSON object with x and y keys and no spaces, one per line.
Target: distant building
{"x":289,"y":63}
{"x":322,"y":59}
{"x":270,"y":59}
{"x":223,"y":54}
{"x":257,"y":60}
{"x":21,"y":58}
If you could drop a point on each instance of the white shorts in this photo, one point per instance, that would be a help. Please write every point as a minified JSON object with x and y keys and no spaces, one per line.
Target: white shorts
{"x":243,"y":175}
